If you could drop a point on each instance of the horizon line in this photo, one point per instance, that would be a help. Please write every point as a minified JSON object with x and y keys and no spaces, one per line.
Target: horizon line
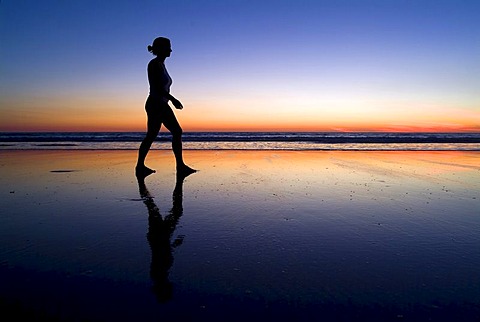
{"x":248,"y":131}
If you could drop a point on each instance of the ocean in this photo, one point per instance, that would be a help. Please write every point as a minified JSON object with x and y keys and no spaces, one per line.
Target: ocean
{"x":363,"y":141}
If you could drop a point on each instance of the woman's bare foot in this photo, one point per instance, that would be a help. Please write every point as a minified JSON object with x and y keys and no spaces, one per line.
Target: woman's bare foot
{"x":185,"y":170}
{"x":143,"y":171}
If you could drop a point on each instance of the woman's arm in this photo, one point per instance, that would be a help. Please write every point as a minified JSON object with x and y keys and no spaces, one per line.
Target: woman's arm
{"x":178,"y":105}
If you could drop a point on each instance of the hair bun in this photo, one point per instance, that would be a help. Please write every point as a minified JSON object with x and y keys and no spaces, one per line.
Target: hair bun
{"x":150,"y":48}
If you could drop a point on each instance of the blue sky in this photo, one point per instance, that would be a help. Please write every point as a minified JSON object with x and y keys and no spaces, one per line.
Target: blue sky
{"x":331,"y":63}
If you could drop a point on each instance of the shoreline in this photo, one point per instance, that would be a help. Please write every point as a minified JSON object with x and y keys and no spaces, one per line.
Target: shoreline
{"x":57,"y":147}
{"x":256,"y":141}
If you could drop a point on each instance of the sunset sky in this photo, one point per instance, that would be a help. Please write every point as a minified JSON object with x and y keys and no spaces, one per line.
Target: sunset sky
{"x":384,"y":65}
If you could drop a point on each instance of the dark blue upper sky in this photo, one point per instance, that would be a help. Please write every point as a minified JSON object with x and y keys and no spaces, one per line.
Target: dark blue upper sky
{"x":337,"y":55}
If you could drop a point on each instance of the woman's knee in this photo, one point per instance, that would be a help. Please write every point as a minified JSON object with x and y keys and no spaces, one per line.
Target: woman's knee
{"x":177,"y":132}
{"x":150,"y":136}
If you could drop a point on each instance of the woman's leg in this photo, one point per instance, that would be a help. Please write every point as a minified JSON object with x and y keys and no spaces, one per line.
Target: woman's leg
{"x":171,"y":123}
{"x":153,"y":127}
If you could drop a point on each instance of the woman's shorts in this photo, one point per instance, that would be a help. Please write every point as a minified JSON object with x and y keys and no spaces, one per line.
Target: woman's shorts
{"x":156,"y":108}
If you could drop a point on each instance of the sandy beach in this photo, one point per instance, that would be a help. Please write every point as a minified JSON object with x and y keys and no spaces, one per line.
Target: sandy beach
{"x":262,"y":235}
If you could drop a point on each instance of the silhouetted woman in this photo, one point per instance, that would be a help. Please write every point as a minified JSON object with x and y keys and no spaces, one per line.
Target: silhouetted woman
{"x":158,"y":110}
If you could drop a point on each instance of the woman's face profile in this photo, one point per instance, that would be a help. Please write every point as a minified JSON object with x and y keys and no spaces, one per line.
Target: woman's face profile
{"x":165,"y":50}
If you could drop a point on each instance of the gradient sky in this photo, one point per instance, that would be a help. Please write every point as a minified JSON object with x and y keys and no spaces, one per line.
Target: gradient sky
{"x":243,"y":65}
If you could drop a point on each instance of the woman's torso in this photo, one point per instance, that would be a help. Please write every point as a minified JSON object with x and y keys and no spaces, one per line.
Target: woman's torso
{"x":159,"y":80}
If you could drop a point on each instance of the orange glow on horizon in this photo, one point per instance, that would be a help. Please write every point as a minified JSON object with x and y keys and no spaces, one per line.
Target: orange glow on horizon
{"x":138,"y":124}
{"x":121,"y":127}
{"x":129,"y":116}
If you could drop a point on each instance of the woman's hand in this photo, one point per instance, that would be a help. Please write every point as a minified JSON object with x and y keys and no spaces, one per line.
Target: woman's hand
{"x":177,"y":104}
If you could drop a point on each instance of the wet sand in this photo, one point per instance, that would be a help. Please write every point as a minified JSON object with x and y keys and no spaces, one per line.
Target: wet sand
{"x":264,"y":235}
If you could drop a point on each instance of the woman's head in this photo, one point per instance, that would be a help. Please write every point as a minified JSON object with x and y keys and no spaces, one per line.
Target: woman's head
{"x":161,"y":47}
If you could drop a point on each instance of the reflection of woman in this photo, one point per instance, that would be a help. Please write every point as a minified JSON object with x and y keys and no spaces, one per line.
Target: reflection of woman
{"x":160,"y":231}
{"x":158,"y":110}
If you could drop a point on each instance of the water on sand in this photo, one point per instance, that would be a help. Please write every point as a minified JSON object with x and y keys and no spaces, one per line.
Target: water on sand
{"x":275,"y":234}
